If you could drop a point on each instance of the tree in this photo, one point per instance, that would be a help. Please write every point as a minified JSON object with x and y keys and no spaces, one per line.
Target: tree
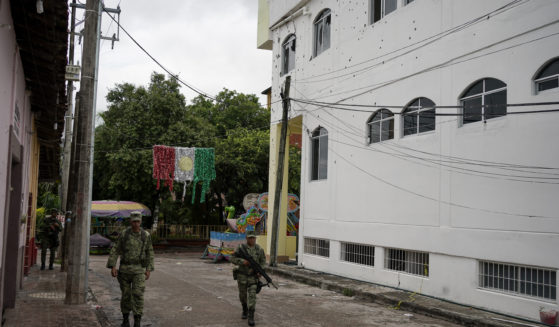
{"x":242,"y":164}
{"x":139,"y":117}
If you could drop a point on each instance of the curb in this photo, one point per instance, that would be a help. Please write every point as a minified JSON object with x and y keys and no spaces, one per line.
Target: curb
{"x":404,"y":300}
{"x":99,"y":312}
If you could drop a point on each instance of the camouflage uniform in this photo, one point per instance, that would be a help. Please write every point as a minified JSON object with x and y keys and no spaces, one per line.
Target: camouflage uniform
{"x":133,"y":265}
{"x":49,"y":239}
{"x":246,"y":277}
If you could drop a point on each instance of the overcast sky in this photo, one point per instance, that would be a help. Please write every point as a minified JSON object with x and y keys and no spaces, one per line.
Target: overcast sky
{"x":210,"y":44}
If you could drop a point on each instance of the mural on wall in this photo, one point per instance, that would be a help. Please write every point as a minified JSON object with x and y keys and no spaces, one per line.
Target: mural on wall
{"x":292,"y":213}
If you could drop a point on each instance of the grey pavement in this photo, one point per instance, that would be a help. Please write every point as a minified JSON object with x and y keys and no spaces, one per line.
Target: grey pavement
{"x":183,"y":280}
{"x":41,"y":303}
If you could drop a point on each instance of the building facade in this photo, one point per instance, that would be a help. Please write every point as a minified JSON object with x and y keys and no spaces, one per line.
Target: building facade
{"x":32,"y":104}
{"x":427,"y":162}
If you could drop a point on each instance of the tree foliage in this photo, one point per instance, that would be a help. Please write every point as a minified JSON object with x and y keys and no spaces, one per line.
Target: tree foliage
{"x":139,"y":117}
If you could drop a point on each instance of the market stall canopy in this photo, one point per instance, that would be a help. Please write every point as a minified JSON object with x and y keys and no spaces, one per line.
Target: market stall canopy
{"x":117,"y":209}
{"x":99,"y":240}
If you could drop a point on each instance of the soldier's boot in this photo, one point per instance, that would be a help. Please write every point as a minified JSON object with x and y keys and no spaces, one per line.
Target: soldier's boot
{"x":251,"y":317}
{"x":43,"y":266}
{"x":125,"y":320}
{"x":245,"y":311}
{"x":137,"y":321}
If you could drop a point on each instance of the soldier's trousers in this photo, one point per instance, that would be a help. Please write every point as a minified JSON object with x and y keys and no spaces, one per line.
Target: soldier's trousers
{"x":247,"y":290}
{"x":44,"y":254}
{"x":132,"y":287}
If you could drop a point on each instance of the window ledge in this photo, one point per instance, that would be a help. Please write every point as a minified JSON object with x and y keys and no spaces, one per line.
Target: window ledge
{"x":382,"y":142}
{"x":419,"y":134}
{"x":483,"y":122}
{"x":550,"y":91}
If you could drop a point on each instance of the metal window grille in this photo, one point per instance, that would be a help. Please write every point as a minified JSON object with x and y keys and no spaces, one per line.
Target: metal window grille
{"x":358,"y":253}
{"x":317,"y":247}
{"x":411,"y":262}
{"x":523,"y":280}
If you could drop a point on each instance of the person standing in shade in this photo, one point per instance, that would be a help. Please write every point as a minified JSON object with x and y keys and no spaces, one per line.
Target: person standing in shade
{"x":136,"y":263}
{"x":247,"y":278}
{"x":49,"y":238}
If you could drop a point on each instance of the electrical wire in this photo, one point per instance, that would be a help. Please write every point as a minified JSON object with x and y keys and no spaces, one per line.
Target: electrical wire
{"x":436,"y":37}
{"x":448,"y":63}
{"x":339,"y":107}
{"x":203,"y":94}
{"x":110,"y":23}
{"x":206,"y":139}
{"x":453,"y":204}
{"x":454,"y":160}
{"x":446,"y":163}
{"x":353,"y":128}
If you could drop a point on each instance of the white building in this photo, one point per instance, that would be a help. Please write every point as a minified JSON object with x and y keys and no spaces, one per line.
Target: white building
{"x":462,"y":205}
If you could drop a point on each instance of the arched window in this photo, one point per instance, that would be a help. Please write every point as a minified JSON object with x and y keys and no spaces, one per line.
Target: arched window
{"x":381,"y":8}
{"x":322,"y":32}
{"x":419,"y":116}
{"x":548,"y":77}
{"x":381,"y":126}
{"x":484,"y":100}
{"x":288,"y":54}
{"x":319,"y":158}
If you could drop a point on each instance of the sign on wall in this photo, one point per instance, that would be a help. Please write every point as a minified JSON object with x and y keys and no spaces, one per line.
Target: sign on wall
{"x":73,"y":72}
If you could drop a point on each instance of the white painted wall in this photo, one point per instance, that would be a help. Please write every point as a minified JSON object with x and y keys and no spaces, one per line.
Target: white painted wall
{"x":353,"y":206}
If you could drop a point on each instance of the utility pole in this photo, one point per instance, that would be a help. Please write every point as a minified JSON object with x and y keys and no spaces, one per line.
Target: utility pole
{"x":70,"y":163}
{"x":279,"y":173}
{"x":78,"y":259}
{"x":68,"y":137}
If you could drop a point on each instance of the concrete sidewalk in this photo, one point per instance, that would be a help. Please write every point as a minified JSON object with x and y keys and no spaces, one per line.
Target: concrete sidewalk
{"x":41,"y":303}
{"x":404,"y":300}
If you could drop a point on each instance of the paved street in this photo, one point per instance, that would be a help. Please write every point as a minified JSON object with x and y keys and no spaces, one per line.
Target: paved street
{"x":184,"y":280}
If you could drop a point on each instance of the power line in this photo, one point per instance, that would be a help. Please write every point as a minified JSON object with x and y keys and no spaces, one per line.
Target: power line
{"x":342,"y":107}
{"x":209,"y":138}
{"x":460,"y":170}
{"x":453,"y":204}
{"x":451,"y":159}
{"x":448,"y":63}
{"x":458,"y":160}
{"x":436,"y":37}
{"x":157,"y":62}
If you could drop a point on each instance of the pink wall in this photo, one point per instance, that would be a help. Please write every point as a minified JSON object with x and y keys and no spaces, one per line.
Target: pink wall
{"x":12,"y":92}
{"x":7,"y":60}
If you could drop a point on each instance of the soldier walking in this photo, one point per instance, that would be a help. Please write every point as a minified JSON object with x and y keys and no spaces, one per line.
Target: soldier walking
{"x":247,"y":278}
{"x":136,"y":262}
{"x":49,"y":238}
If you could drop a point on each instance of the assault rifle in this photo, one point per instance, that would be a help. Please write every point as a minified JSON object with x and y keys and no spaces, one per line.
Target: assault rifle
{"x":257,"y":268}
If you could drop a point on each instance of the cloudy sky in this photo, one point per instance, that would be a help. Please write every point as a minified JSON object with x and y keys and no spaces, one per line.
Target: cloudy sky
{"x":210,"y":44}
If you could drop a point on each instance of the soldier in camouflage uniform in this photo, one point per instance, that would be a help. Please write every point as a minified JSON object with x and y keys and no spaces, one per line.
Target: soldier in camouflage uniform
{"x":247,"y":279}
{"x":48,"y":236}
{"x":136,"y":262}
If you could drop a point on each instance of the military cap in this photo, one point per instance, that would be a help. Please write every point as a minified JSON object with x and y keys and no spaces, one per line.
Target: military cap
{"x":135,"y":216}
{"x":251,"y":233}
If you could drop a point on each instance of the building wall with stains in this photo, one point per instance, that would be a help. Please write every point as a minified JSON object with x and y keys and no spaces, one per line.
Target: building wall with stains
{"x":15,"y":151}
{"x":431,"y":192}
